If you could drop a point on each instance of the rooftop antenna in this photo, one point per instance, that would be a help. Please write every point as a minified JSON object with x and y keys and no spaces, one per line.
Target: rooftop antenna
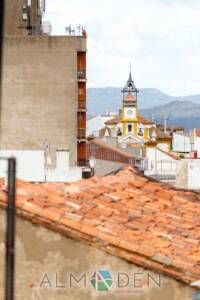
{"x":69,"y":29}
{"x":73,"y":31}
{"x":130,"y":67}
{"x":79,"y":29}
{"x":165,"y":124}
{"x":153,"y":114}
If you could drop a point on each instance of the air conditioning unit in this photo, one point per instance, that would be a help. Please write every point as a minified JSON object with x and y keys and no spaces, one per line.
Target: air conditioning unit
{"x":24,"y":16}
{"x":46,"y":27}
{"x":24,"y":13}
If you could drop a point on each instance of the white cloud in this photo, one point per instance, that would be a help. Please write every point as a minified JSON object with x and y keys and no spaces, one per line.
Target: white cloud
{"x":159,"y":37}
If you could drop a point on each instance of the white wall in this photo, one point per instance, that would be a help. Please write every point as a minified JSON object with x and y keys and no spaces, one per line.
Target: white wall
{"x":197,"y":145}
{"x":62,"y":160}
{"x":95,"y":124}
{"x":181,"y":143}
{"x":70,"y":175}
{"x":159,"y":162}
{"x":194,"y":174}
{"x":30,"y":164}
{"x":188,"y":174}
{"x":163,"y":146}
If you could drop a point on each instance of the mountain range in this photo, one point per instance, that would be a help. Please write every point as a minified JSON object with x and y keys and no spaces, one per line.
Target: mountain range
{"x":152,"y":103}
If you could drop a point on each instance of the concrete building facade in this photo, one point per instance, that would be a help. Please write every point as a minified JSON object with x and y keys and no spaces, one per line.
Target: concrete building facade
{"x":24,"y":17}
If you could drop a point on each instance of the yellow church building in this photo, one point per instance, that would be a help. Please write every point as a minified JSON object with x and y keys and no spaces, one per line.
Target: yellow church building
{"x":132,"y":123}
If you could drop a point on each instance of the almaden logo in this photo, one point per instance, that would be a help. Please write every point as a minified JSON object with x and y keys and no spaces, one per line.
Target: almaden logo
{"x":102,"y":280}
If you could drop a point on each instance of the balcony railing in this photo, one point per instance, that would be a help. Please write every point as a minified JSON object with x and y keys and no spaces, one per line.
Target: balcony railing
{"x":82,"y":96}
{"x":81,"y":104}
{"x":82,"y":133}
{"x":81,"y":75}
{"x":83,"y":163}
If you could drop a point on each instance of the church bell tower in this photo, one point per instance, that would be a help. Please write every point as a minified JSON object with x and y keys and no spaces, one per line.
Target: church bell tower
{"x":129,"y":117}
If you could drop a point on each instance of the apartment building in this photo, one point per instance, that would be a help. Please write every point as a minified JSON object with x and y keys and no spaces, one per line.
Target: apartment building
{"x":43,"y":106}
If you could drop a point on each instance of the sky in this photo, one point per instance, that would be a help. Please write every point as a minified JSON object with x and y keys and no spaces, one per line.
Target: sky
{"x":160,"y":38}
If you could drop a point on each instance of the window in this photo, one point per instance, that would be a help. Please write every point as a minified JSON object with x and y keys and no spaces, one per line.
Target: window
{"x":140,"y":132}
{"x":129,"y":128}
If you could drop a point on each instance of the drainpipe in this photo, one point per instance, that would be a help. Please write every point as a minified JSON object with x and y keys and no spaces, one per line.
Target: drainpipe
{"x":10,"y":231}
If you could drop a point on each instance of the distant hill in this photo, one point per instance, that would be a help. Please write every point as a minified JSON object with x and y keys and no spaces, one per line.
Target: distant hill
{"x":180,"y":113}
{"x":175,"y":109}
{"x":109,"y":98}
{"x":187,"y":123}
{"x":183,"y":111}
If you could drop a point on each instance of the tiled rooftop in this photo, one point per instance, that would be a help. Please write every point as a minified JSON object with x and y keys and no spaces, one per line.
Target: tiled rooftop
{"x":141,"y":119}
{"x":147,"y":223}
{"x":114,"y":149}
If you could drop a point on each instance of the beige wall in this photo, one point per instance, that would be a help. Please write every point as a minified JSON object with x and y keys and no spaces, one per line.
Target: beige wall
{"x":39,"y":98}
{"x":40,"y":251}
{"x":14,"y":25}
{"x":13,"y":17}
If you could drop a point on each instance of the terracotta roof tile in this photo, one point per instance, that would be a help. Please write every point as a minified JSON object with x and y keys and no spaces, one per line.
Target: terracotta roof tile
{"x":113,"y":121}
{"x":145,"y":121}
{"x":141,"y":119}
{"x":112,"y":148}
{"x":198,"y":132}
{"x":145,"y":222}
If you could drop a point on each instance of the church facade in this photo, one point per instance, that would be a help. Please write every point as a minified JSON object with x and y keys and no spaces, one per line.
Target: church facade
{"x":129,"y":127}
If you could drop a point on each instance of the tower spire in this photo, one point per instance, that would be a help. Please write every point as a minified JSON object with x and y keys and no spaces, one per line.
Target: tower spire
{"x":130,"y":74}
{"x":130,"y":85}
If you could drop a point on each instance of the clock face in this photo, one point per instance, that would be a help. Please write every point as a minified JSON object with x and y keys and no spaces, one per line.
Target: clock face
{"x":130,"y":113}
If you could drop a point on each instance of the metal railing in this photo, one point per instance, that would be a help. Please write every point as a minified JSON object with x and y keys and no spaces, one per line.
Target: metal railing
{"x":81,"y":75}
{"x":163,"y":167}
{"x":82,"y":133}
{"x":81,"y":104}
{"x":83,"y":163}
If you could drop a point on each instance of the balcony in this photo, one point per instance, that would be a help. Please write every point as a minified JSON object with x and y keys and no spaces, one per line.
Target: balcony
{"x":81,"y":105}
{"x":83,"y":163}
{"x":81,"y":75}
{"x":82,"y":134}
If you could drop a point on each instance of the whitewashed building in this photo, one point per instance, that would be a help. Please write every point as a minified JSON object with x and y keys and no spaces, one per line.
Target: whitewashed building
{"x":33,"y":166}
{"x":96,"y":123}
{"x":181,"y":143}
{"x":159,"y":161}
{"x":188,"y":174}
